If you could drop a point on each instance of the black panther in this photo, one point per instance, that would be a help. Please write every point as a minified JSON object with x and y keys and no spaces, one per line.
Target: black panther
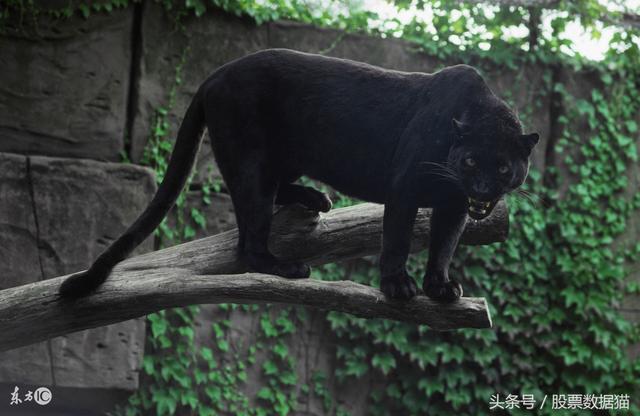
{"x":402,"y":139}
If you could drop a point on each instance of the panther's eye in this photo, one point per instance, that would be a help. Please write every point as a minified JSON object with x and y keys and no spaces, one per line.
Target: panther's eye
{"x":470,"y":162}
{"x":503,"y":169}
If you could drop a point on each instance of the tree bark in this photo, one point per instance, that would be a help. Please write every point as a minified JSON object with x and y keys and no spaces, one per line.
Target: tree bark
{"x":202,"y":271}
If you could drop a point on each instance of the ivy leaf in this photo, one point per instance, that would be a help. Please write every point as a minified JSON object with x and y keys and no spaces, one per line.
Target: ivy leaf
{"x":214,"y":393}
{"x":206,"y":353}
{"x":265,"y":393}
{"x":452,"y":353}
{"x":281,"y":350}
{"x":158,"y":325}
{"x":632,"y":126}
{"x":267,"y":327}
{"x":148,"y":365}
{"x":223,"y":345}
{"x":85,"y":10}
{"x":384,"y":361}
{"x":197,"y":5}
{"x":270,"y":368}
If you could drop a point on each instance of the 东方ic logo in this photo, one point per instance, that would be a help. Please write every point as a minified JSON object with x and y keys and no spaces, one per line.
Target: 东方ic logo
{"x":41,"y":396}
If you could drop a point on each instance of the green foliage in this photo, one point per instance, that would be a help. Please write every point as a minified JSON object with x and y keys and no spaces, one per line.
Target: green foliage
{"x":278,"y":395}
{"x":19,"y":12}
{"x":180,"y":378}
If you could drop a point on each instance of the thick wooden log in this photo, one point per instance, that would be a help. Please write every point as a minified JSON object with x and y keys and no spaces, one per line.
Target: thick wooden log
{"x":201,"y":272}
{"x":303,"y":235}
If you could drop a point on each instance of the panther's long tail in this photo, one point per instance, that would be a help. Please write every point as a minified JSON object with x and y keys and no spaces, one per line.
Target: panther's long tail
{"x":182,"y":160}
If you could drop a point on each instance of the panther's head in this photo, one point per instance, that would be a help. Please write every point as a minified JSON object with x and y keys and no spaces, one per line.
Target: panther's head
{"x":490,"y":158}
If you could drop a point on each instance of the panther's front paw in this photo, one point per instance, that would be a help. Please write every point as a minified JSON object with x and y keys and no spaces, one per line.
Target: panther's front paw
{"x":292,"y":270}
{"x":398,"y":286}
{"x":448,"y":291}
{"x":322,"y":203}
{"x":268,"y":264}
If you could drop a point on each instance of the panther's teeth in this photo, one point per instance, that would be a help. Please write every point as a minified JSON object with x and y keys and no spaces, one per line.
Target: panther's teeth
{"x":475,"y":202}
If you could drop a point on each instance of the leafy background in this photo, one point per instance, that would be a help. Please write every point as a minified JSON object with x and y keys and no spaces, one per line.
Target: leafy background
{"x":555,"y":287}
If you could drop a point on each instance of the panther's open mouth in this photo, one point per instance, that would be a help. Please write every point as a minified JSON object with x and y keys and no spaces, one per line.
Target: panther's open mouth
{"x":480,"y":209}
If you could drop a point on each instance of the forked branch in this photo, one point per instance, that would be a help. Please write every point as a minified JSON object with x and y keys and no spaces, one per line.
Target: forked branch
{"x":203,"y":271}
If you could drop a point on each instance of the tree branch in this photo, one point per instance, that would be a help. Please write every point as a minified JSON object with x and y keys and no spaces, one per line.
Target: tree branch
{"x":199,"y":272}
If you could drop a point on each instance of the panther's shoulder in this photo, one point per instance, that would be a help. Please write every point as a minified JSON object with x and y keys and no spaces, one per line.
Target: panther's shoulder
{"x":462,"y":72}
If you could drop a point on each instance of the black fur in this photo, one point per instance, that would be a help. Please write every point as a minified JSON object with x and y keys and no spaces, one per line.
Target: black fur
{"x":407,"y":140}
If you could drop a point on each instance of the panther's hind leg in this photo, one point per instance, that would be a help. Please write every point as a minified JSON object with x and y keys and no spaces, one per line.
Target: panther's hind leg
{"x":252,"y":185}
{"x":244,"y":155}
{"x":313,"y":199}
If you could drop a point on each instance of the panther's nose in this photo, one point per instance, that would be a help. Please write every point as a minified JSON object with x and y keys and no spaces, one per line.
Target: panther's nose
{"x":481,"y":191}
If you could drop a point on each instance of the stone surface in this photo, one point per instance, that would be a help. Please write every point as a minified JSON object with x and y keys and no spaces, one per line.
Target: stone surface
{"x":57,"y":215}
{"x":387,"y":53}
{"x":82,"y":206}
{"x":213,"y":40}
{"x":27,"y":365}
{"x":106,"y":357}
{"x":19,"y":264}
{"x":218,"y":214}
{"x":18,"y":235}
{"x":527,"y":92}
{"x":64,"y":89}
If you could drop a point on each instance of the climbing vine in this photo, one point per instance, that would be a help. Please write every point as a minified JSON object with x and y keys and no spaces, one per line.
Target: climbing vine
{"x":554,"y":287}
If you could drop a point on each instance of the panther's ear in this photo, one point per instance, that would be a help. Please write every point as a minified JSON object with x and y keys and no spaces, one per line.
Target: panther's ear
{"x":460,"y":128}
{"x":528,"y":141}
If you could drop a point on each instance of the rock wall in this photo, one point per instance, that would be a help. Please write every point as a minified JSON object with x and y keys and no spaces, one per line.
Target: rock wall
{"x":65,"y":90}
{"x":56,"y":216}
{"x":88,"y":91}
